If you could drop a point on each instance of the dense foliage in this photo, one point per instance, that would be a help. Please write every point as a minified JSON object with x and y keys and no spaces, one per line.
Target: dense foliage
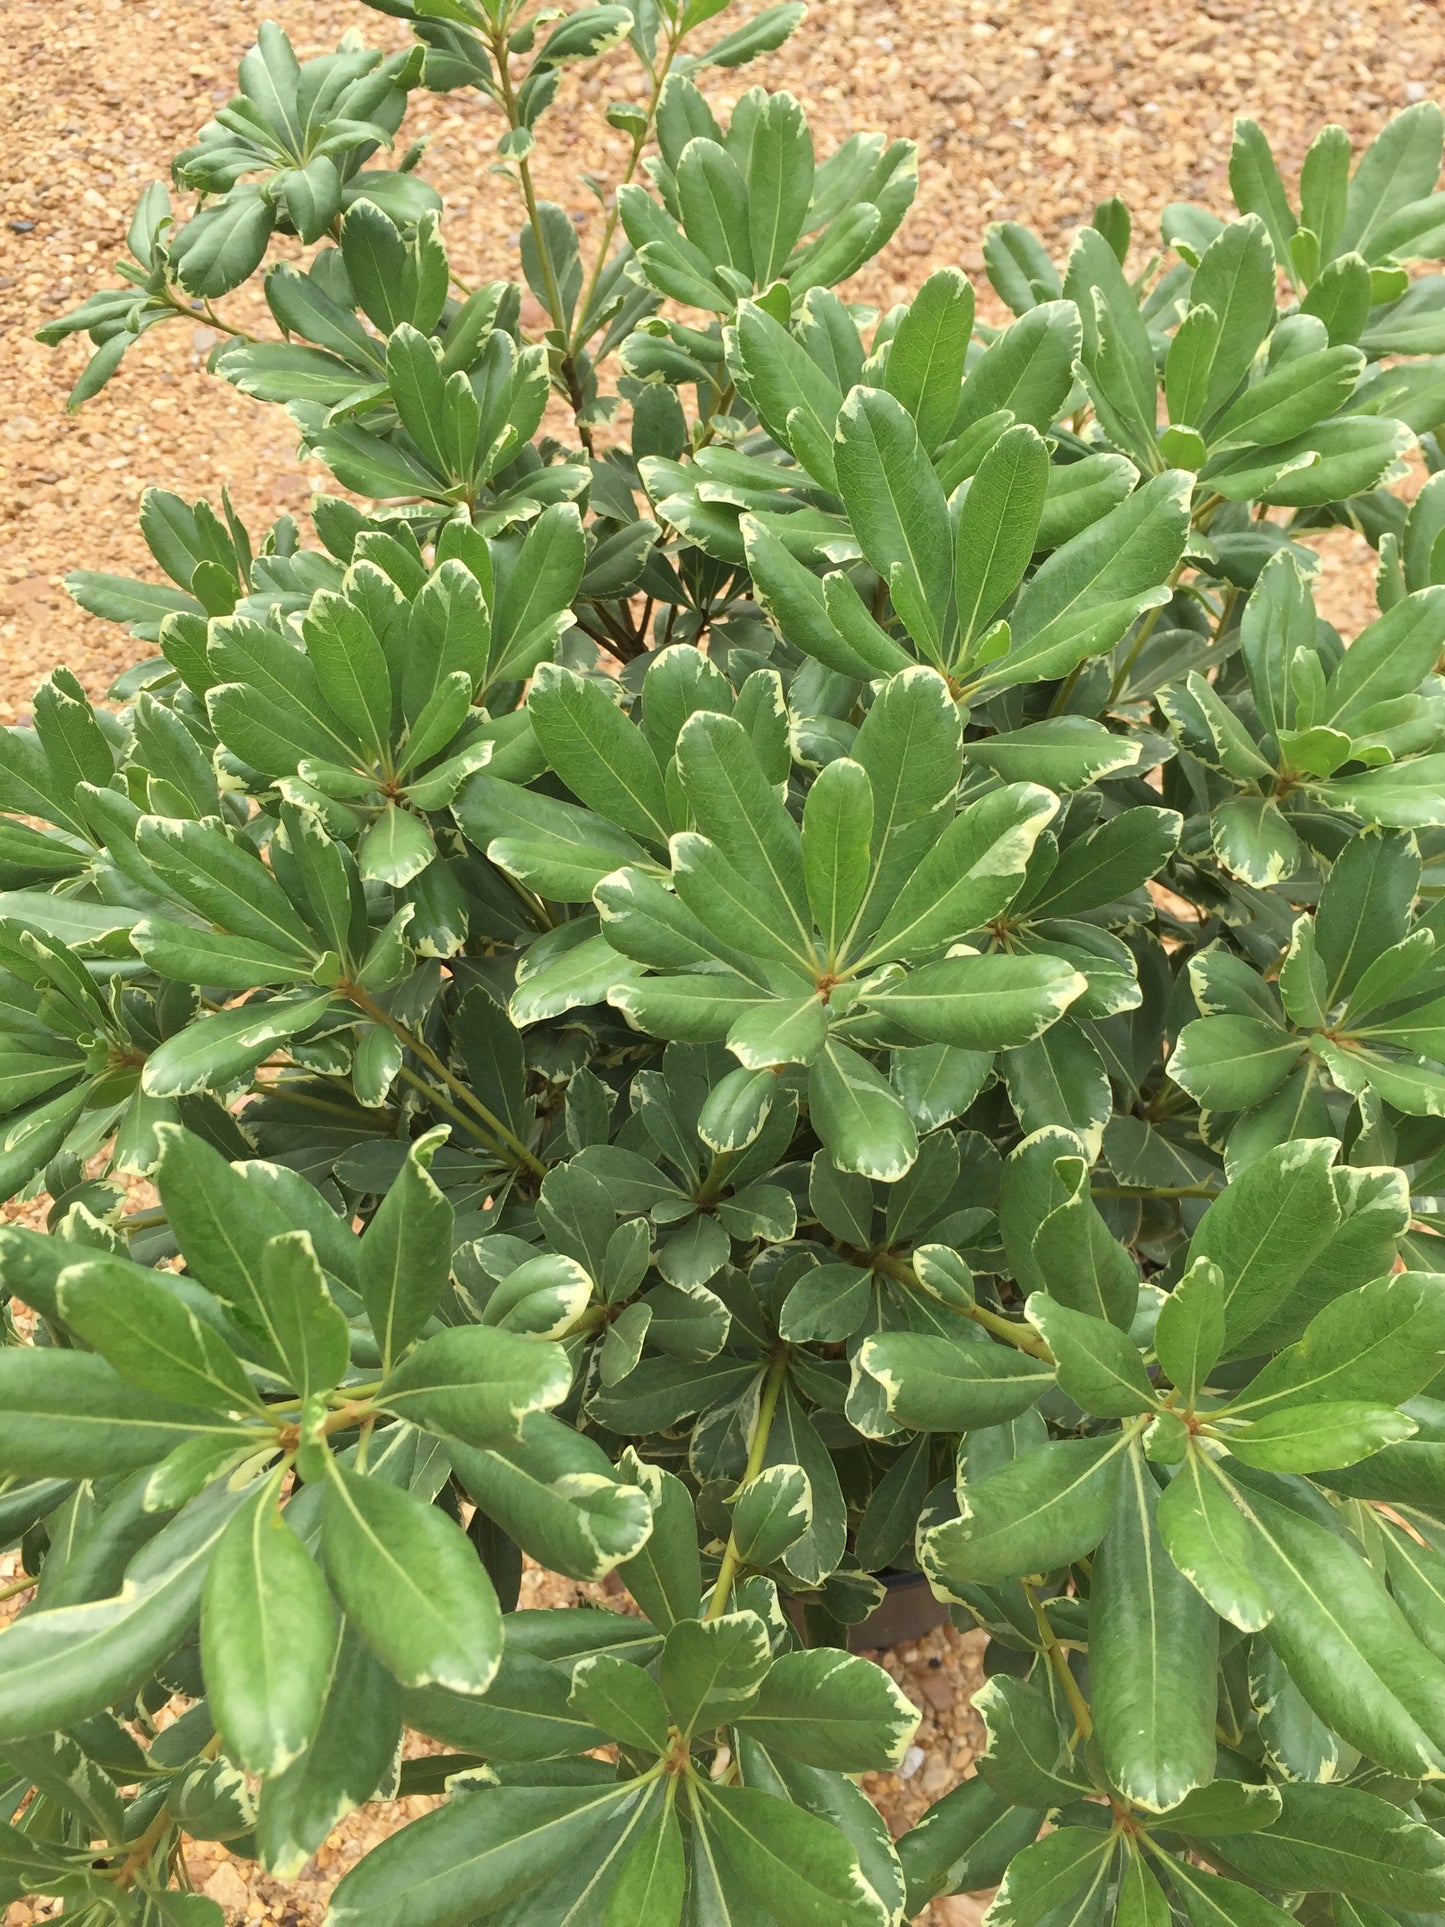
{"x":796,"y":957}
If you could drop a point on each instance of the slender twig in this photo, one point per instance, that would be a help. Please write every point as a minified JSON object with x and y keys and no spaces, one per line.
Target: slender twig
{"x":1059,"y":1660}
{"x":421,"y":1049}
{"x":448,"y":1109}
{"x":1023,"y":1338}
{"x":757,"y":1451}
{"x":639,"y":142}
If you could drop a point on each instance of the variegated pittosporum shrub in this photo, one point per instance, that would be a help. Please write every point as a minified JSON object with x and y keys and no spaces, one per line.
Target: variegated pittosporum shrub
{"x":814,"y":965}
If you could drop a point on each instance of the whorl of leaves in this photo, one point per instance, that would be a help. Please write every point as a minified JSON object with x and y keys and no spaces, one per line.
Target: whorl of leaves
{"x":827,"y":972}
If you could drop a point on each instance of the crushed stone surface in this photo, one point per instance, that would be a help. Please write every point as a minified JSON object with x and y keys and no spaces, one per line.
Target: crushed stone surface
{"x":1029,"y":110}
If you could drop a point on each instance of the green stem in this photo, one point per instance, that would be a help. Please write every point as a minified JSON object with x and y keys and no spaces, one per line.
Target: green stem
{"x":725,"y":399}
{"x":555,"y":305}
{"x":757,"y":1451}
{"x":1065,"y":691}
{"x":22,"y":1584}
{"x":1153,"y":1191}
{"x":1059,"y":1660}
{"x":1146,"y":629}
{"x":448,"y":1109}
{"x":716,"y":1176}
{"x":1023,"y":1338}
{"x":367,"y":1004}
{"x":639,"y":141}
{"x":207,"y":314}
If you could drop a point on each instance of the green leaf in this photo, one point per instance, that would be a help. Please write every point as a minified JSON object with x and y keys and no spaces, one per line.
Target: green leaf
{"x":1054,"y":1235}
{"x":1254,"y":840}
{"x":350,"y":664}
{"x":964,"y":1841}
{"x":649,"y":1889}
{"x":64,"y":1666}
{"x":396,"y":848}
{"x":738,"y":812}
{"x":71,"y":1415}
{"x":779,"y":184}
{"x":832,"y":1709}
{"x":1060,"y":1078}
{"x":712,"y":1668}
{"x":1224,"y":1807}
{"x":1210,"y":1541}
{"x":474,"y":1853}
{"x":1028,"y":370}
{"x":981,"y":1003}
{"x":268,"y":1638}
{"x":1211,"y":1901}
{"x":1401,"y":165}
{"x":896,"y":505}
{"x":969,"y":876}
{"x":477,"y":1383}
{"x":933,"y":1384}
{"x":858,"y":1116}
{"x":220,"y":1053}
{"x":1343,"y":1642}
{"x":796,"y":400}
{"x":1256,"y":186}
{"x":1028,"y":1756}
{"x":1062,"y":753}
{"x":926,"y":355}
{"x":665,"y":1577}
{"x":1343,"y":1840}
{"x":1383,"y":1342}
{"x":188,"y":955}
{"x":713,"y":201}
{"x":224,"y":882}
{"x":410,"y":1582}
{"x":1289,"y":399}
{"x":1389,"y":658}
{"x":1098,"y":1366}
{"x":1271,"y":1222}
{"x":837,"y":830}
{"x":307,"y":1328}
{"x":603,"y":759}
{"x":1230,"y":1063}
{"x":1311,"y":1438}
{"x":791,"y":1030}
{"x":1040,"y":1511}
{"x":1108,"y":864}
{"x":151,"y":1337}
{"x":698,"y":1009}
{"x":1189,"y":1335}
{"x":224,"y":244}
{"x":998,"y":527}
{"x":1403,"y":796}
{"x":621,"y":1701}
{"x":1235,"y":280}
{"x":1152,"y":1657}
{"x":557,"y":1496}
{"x":1045,"y":1878}
{"x":771,"y":1513}
{"x":784,"y":1860}
{"x":349,"y":1759}
{"x":406,"y":1252}
{"x":1141,"y":1901}
{"x":1083,"y":599}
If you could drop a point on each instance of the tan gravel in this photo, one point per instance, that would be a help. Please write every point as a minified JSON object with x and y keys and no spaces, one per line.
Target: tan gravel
{"x":1028,"y":110}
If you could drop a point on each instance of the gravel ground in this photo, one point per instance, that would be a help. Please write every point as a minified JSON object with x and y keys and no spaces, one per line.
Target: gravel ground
{"x":1029,"y":110}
